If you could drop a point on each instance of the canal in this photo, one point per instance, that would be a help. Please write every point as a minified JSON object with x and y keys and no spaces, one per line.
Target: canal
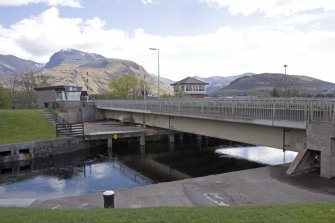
{"x":99,"y":169}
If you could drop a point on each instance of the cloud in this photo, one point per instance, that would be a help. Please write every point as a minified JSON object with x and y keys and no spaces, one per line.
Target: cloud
{"x":225,"y":51}
{"x":272,"y":8}
{"x":150,"y":2}
{"x":68,"y":3}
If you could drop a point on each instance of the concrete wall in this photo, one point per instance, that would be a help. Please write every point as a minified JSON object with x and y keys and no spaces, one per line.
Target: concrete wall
{"x":321,"y":137}
{"x":84,"y":114}
{"x":45,"y":96}
{"x":37,"y":149}
{"x":68,"y":104}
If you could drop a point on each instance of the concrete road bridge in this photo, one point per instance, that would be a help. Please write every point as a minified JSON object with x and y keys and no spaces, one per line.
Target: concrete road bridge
{"x":302,"y":125}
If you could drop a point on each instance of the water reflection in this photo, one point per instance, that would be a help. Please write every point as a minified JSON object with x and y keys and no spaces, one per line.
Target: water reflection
{"x":128,"y":165}
{"x":96,"y":176}
{"x":260,"y":154}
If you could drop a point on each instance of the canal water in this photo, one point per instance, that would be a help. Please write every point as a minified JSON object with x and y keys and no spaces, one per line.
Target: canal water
{"x":99,"y":169}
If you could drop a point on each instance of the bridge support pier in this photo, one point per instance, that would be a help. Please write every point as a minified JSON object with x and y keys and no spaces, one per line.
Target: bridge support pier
{"x":142,"y":140}
{"x":110,"y":142}
{"x":142,"y":150}
{"x":181,"y":137}
{"x":171,"y":138}
{"x":199,"y":141}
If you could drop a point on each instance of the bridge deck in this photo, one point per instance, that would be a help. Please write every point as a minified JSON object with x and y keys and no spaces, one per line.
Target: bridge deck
{"x":287,"y":110}
{"x":101,"y":130}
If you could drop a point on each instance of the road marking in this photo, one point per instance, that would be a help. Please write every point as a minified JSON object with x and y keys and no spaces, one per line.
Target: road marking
{"x":216,"y":199}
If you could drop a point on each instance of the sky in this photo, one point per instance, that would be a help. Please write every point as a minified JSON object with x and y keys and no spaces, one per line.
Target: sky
{"x":194,"y":37}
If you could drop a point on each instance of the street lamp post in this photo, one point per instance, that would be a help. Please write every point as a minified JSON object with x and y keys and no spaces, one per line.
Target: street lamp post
{"x":159,"y":95}
{"x":87,"y":99}
{"x":144,"y":90}
{"x":285,"y":66}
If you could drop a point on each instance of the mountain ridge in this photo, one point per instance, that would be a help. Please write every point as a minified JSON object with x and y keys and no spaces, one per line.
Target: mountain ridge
{"x":12,"y":65}
{"x":266,"y":82}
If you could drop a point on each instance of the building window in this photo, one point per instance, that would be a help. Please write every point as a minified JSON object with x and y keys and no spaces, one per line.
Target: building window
{"x":73,"y":96}
{"x":59,"y":96}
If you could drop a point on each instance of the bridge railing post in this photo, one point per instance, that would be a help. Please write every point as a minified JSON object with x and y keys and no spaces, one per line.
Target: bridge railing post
{"x":202,"y":107}
{"x":273,"y":110}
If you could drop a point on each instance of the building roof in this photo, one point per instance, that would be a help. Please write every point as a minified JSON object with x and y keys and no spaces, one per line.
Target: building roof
{"x":59,"y":87}
{"x":189,"y":80}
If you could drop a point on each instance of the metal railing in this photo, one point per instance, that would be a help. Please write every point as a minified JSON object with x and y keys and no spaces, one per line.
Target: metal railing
{"x":65,"y":128}
{"x":76,"y":129}
{"x":298,"y":110}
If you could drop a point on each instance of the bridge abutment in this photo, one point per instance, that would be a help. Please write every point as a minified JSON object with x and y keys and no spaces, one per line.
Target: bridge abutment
{"x":321,"y":137}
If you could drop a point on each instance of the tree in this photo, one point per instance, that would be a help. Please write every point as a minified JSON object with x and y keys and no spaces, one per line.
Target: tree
{"x":29,"y":83}
{"x":4,"y":97}
{"x":275,"y":93}
{"x":12,"y":82}
{"x":124,"y":87}
{"x":43,"y":80}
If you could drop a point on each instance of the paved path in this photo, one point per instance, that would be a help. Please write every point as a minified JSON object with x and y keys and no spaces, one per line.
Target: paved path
{"x":266,"y":185}
{"x":16,"y":202}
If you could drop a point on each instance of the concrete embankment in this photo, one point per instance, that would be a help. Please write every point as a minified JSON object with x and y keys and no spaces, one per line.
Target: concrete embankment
{"x":266,"y":185}
{"x":39,"y":149}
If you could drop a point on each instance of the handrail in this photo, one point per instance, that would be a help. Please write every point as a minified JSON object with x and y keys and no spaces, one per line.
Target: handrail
{"x":297,"y":110}
{"x":65,"y":128}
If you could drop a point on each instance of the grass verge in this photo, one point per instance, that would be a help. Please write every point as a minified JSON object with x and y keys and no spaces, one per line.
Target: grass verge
{"x":24,"y":125}
{"x":317,"y":212}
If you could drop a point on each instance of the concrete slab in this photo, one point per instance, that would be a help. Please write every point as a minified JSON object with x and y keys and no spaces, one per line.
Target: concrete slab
{"x":266,"y":185}
{"x":16,"y":202}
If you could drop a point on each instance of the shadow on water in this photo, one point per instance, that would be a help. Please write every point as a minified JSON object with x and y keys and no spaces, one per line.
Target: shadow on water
{"x":99,"y":169}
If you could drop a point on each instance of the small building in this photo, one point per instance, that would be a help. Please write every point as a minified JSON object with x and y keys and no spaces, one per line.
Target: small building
{"x":190,"y":86}
{"x":58,"y":96}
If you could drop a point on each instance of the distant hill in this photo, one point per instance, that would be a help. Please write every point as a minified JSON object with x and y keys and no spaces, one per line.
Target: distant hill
{"x":10,"y":65}
{"x":264,"y":83}
{"x":217,"y":82}
{"x":100,"y":72}
{"x":72,"y":56}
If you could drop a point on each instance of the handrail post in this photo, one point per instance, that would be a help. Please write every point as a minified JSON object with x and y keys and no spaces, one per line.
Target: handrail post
{"x":273,"y":110}
{"x":202,"y":107}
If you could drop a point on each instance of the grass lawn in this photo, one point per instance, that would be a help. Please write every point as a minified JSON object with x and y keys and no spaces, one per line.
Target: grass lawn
{"x":24,"y":125}
{"x":319,"y":212}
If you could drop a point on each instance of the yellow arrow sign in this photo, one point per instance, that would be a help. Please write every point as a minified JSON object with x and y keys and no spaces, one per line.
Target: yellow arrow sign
{"x":115,"y":136}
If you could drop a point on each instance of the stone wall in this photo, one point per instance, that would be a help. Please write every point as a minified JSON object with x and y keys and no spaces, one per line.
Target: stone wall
{"x":38,"y":149}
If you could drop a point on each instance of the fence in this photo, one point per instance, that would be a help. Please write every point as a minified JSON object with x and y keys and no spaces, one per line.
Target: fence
{"x":299,"y":110}
{"x":64,"y":128}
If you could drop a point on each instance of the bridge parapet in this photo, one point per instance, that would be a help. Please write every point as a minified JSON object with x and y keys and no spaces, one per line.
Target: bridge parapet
{"x":296,"y":110}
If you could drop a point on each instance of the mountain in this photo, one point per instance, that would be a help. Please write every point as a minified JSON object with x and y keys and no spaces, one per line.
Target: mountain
{"x":265,"y":82}
{"x":217,"y":82}
{"x":72,"y":56}
{"x":75,"y":67}
{"x":99,"y":73}
{"x":10,"y":65}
